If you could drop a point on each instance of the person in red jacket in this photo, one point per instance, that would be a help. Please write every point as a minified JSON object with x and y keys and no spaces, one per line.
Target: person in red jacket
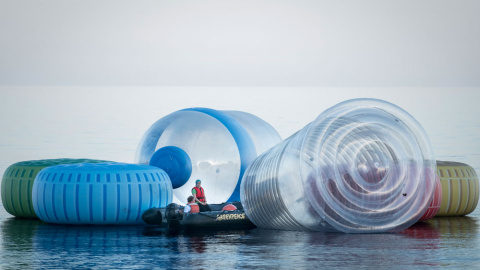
{"x":191,"y":206}
{"x":199,"y":195}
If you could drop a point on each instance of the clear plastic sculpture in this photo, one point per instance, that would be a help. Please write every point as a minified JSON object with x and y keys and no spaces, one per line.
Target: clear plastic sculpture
{"x":363,"y":166}
{"x":213,"y":146}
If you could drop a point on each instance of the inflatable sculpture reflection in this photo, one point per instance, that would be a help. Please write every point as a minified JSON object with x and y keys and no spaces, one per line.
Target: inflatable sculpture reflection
{"x":362,"y":166}
{"x":200,"y":143}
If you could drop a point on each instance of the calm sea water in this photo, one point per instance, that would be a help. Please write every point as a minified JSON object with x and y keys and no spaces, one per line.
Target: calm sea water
{"x":39,"y":123}
{"x":440,"y":242}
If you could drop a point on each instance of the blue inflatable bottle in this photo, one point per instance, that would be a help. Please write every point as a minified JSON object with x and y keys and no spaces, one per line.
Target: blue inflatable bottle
{"x":213,"y":146}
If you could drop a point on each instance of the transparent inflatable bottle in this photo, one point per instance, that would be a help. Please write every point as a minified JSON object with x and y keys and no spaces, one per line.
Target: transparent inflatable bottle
{"x":213,"y":146}
{"x":363,"y":166}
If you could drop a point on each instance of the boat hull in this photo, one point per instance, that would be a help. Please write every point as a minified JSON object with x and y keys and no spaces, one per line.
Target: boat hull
{"x":173,"y":217}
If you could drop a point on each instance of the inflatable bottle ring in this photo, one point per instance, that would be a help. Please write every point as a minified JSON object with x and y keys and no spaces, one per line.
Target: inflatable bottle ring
{"x":99,"y":194}
{"x":460,"y":190}
{"x":18,"y":179}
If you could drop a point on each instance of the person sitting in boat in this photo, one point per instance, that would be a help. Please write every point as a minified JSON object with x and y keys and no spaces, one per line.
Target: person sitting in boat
{"x":191,"y":206}
{"x":199,"y":195}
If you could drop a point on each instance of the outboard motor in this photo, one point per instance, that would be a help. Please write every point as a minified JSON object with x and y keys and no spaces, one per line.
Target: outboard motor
{"x":173,"y":216}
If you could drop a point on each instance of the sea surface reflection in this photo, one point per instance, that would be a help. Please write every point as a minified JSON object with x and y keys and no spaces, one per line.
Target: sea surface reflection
{"x":32,"y":244}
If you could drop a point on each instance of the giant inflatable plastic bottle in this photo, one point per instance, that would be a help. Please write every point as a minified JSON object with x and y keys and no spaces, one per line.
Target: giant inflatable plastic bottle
{"x":213,"y":146}
{"x":363,"y":166}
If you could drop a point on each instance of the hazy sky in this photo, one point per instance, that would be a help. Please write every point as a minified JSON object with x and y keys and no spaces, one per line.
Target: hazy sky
{"x":240,"y":43}
{"x":108,"y":122}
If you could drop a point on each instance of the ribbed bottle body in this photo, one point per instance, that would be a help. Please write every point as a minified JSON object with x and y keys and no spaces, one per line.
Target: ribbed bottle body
{"x":361,"y":166}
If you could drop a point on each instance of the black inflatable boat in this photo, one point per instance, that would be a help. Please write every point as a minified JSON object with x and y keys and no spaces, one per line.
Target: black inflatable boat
{"x":172,"y":217}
